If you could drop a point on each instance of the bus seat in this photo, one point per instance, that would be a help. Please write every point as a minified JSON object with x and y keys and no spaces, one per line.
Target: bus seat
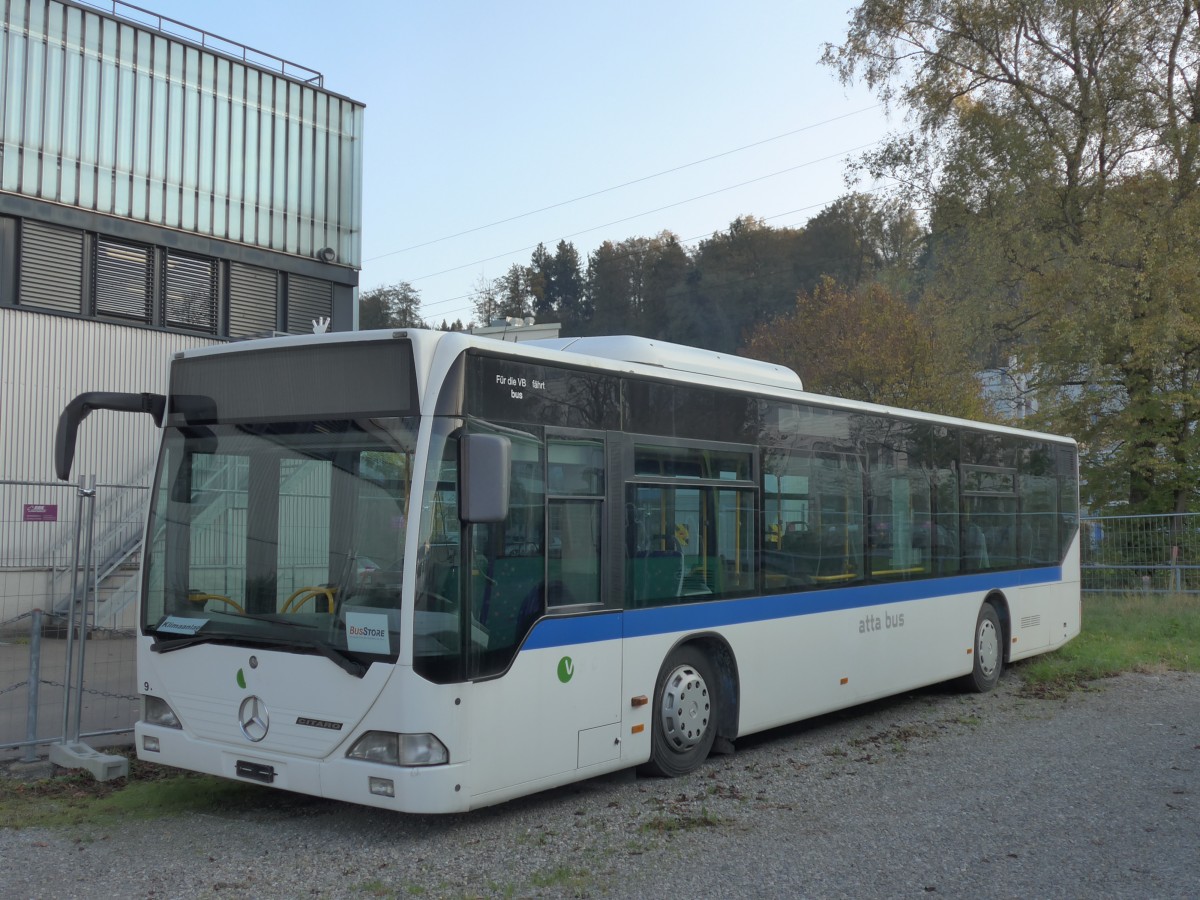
{"x":512,"y":597}
{"x":657,"y":576}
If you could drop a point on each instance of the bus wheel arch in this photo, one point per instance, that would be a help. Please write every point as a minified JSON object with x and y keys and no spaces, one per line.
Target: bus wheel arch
{"x":695,"y":705}
{"x":1000,"y":604}
{"x":989,"y":644}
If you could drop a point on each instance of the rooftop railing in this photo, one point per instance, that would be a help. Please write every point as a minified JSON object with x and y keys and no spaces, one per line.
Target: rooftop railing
{"x":209,"y":41}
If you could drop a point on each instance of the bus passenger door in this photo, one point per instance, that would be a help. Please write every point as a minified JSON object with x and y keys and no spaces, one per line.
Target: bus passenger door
{"x":545,"y":698}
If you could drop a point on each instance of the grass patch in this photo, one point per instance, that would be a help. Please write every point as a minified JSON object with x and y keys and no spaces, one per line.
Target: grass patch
{"x":75,"y":798}
{"x":562,"y":877}
{"x":1122,"y":633}
{"x":662,"y":824}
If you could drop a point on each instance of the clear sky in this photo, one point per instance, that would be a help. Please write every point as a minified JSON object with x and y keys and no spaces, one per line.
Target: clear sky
{"x":511,"y":111}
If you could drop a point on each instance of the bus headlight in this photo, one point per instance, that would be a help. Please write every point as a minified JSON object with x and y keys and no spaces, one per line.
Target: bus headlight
{"x":156,"y":712}
{"x":400,"y":749}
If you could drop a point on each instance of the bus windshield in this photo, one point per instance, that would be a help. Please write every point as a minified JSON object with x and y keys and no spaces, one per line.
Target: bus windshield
{"x":289,"y":534}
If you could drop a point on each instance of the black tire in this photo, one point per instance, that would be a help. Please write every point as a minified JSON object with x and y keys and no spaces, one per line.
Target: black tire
{"x":685,"y":713}
{"x":987,"y":652}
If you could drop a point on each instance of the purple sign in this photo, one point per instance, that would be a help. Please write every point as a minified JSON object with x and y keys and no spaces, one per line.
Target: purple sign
{"x":41,"y":512}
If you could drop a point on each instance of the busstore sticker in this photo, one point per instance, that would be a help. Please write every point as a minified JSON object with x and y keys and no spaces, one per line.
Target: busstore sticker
{"x":367,"y":633}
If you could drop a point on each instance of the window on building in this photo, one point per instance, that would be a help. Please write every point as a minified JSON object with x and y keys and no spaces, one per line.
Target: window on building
{"x":123,"y":280}
{"x":69,"y":270}
{"x":189,"y":292}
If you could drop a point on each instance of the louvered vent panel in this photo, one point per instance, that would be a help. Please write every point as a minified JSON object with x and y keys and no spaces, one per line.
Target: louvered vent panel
{"x":308,"y":299}
{"x":252,"y":300}
{"x":123,"y":279}
{"x":190,"y":298}
{"x":51,"y":267}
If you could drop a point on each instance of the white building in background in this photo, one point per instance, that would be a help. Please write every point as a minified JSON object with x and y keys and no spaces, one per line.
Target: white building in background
{"x":161,"y":188}
{"x":1008,"y":391}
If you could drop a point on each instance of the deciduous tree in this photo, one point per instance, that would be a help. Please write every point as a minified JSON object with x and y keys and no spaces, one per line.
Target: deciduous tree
{"x":390,"y":306}
{"x":867,"y":344}
{"x":1057,"y":146}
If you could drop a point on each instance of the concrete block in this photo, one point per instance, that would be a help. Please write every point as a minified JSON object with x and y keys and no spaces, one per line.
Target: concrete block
{"x":78,"y":755}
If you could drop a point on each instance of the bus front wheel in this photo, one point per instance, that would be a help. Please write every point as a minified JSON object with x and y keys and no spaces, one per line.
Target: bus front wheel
{"x":988,"y":651}
{"x":685,"y":713}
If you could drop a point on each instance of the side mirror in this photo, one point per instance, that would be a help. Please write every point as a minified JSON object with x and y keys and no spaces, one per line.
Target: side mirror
{"x":78,"y":409}
{"x":484,"y":477}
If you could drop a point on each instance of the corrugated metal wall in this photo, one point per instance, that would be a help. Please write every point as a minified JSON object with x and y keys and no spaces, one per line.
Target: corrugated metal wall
{"x":45,"y":360}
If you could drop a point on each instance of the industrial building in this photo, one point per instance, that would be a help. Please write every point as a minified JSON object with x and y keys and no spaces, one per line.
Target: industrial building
{"x":161,"y":188}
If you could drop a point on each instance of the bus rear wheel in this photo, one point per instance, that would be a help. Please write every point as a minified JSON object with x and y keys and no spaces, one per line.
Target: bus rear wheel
{"x":988,"y":651}
{"x":685,"y":713}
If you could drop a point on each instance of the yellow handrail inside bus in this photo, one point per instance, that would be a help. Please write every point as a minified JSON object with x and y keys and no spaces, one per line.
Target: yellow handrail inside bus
{"x":200,"y":598}
{"x":302,"y":595}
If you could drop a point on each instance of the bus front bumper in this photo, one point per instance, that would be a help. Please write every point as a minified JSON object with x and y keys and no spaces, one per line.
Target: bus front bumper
{"x":412,"y":789}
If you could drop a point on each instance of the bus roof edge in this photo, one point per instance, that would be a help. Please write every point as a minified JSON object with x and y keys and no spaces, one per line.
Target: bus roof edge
{"x":677,"y":357}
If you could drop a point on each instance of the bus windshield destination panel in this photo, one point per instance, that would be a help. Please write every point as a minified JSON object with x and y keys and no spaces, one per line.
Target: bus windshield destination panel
{"x":668,"y":548}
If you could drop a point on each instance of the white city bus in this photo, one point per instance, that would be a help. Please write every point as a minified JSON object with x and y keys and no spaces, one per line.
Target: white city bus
{"x":430,"y":572}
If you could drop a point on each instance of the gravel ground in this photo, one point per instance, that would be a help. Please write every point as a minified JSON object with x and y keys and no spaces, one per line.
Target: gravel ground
{"x":1096,"y":794}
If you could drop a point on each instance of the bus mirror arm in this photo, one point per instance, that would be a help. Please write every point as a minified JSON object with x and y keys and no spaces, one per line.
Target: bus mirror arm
{"x":79,"y":409}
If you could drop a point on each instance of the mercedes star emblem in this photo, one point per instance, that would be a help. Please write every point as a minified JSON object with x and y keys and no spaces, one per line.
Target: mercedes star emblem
{"x":253,"y":719}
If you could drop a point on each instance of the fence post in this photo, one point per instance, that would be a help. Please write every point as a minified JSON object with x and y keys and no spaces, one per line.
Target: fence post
{"x":90,"y":494}
{"x":81,"y":494}
{"x":72,"y":753}
{"x":35,"y":675}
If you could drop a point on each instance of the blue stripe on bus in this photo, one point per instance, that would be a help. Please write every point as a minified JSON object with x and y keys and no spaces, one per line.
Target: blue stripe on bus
{"x":559,"y":632}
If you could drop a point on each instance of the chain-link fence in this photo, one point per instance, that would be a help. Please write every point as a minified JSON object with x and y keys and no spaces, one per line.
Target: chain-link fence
{"x":68,"y":578}
{"x":1153,"y":553}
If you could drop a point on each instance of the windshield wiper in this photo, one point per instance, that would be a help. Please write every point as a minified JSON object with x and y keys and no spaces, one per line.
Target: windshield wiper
{"x":341,"y":657}
{"x":164,"y":644}
{"x":336,"y":655}
{"x":276,"y":619}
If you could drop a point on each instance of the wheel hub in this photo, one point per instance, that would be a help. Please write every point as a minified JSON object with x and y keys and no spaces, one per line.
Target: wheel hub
{"x":988,"y":647}
{"x":685,"y":709}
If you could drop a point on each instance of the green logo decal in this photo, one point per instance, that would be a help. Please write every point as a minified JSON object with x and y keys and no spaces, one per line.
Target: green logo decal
{"x":241,"y":679}
{"x":566,"y":669}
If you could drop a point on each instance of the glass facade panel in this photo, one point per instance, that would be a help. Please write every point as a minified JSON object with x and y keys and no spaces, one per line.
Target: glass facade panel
{"x":52,"y":139}
{"x":291,"y":198}
{"x":89,"y":107}
{"x":72,"y":84}
{"x":106,"y":85}
{"x":34,"y":75}
{"x":220,"y":152}
{"x":143,"y":96}
{"x":191,"y":139}
{"x":14,"y":109}
{"x":206,"y":145}
{"x":159,"y":98}
{"x":249,"y":182}
{"x":320,"y":171}
{"x":173,"y":163}
{"x":266,"y":159}
{"x":126,"y":77}
{"x":236,"y":161}
{"x":142,"y":125}
{"x":304,"y":204}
